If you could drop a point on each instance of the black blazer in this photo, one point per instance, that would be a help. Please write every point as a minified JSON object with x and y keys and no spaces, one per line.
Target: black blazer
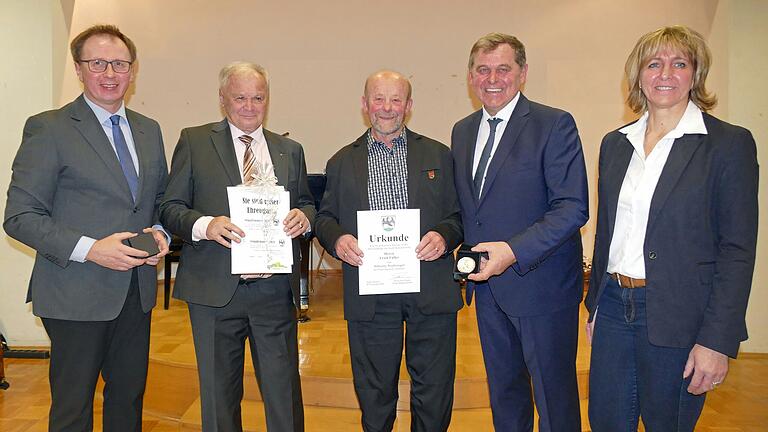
{"x":204,"y":164}
{"x":701,"y":236}
{"x":430,"y":189}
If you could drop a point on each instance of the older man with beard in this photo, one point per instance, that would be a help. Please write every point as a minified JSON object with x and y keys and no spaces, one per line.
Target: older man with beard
{"x":390,"y":167}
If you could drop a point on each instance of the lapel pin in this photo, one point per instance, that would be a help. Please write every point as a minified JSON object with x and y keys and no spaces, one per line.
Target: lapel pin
{"x":431,"y":174}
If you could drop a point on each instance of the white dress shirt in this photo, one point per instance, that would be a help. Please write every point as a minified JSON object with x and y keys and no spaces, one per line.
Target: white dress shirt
{"x":262,"y":158}
{"x":626,"y":252}
{"x":85,"y":243}
{"x":485,"y":129}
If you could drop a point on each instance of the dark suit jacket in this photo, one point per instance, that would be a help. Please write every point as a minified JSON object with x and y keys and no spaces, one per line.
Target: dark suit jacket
{"x":535,"y":199}
{"x":204,"y":165}
{"x":701,"y":236}
{"x":430,"y":189}
{"x":67,"y":183}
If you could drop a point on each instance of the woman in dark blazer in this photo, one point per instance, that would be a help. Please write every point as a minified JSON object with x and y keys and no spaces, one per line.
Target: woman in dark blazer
{"x":675,"y":244}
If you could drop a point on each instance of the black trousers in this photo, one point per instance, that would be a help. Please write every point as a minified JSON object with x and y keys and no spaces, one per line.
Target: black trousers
{"x":376,"y":349}
{"x":261,"y":311}
{"x":81,"y":350}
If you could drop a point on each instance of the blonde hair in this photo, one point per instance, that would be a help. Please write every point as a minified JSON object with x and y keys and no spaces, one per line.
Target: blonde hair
{"x":677,"y":37}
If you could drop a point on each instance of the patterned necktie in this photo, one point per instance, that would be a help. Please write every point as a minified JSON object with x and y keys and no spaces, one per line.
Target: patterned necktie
{"x":249,"y":168}
{"x":483,"y":165}
{"x":249,"y":158}
{"x":124,"y":156}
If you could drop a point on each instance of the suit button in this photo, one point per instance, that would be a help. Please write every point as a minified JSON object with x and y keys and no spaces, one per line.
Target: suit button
{"x":135,"y":210}
{"x":652,"y":255}
{"x":478,"y":223}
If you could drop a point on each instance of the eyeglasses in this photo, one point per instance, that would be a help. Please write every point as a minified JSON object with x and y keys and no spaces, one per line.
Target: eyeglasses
{"x":100,"y":65}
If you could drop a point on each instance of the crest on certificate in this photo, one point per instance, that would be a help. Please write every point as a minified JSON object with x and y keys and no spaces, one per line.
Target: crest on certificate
{"x":388,"y":222}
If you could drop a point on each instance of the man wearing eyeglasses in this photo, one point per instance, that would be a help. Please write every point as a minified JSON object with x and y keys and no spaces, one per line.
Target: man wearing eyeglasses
{"x":87,"y":178}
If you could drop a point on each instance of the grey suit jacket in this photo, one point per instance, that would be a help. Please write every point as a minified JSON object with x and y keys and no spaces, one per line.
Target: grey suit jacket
{"x":67,"y":183}
{"x":430,"y":189}
{"x":204,"y":165}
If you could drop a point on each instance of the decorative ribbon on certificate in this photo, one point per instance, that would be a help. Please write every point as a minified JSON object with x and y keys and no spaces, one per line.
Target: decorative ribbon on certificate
{"x":259,"y":208}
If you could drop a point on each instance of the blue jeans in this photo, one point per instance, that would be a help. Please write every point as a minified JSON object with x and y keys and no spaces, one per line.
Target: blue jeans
{"x":632,"y":378}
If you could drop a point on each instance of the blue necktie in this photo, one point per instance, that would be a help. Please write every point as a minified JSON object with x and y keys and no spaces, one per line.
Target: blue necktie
{"x":124,"y":156}
{"x":483,"y":164}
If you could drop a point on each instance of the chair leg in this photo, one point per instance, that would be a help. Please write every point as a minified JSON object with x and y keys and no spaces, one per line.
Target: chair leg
{"x":167,"y":283}
{"x":3,"y":383}
{"x":304,"y":280}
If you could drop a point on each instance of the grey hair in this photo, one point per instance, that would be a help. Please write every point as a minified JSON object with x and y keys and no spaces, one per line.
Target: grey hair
{"x":239,"y":67}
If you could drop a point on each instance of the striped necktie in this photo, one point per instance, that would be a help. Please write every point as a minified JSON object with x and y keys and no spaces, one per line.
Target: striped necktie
{"x":249,"y":159}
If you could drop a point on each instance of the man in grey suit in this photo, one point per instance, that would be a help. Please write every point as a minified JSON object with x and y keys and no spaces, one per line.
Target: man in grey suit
{"x":227,"y":308}
{"x":86,"y":178}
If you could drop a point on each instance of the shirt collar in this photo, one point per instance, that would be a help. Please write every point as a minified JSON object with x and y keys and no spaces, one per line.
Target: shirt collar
{"x":396,"y":142}
{"x":103,"y":115}
{"x":692,"y":122}
{"x":503,"y":114}
{"x":257,"y":135}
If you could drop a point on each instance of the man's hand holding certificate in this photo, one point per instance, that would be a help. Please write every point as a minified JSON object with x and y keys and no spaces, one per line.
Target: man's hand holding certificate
{"x":260,"y":211}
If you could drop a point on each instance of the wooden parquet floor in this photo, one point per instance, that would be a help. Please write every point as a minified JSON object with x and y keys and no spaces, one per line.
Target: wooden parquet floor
{"x":739,"y":405}
{"x":323,"y":349}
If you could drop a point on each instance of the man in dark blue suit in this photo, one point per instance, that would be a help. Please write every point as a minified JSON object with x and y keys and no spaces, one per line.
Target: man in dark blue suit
{"x":522,"y":185}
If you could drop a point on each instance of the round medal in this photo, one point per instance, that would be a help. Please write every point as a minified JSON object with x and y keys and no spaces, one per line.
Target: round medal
{"x":466,"y":265}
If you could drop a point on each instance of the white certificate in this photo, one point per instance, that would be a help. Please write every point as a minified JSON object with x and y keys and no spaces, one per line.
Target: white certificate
{"x":388,"y":239}
{"x":259,"y":211}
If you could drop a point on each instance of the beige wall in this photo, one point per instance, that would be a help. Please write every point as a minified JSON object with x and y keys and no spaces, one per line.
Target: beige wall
{"x":26,"y":75}
{"x":748,"y":106}
{"x":318,"y":54}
